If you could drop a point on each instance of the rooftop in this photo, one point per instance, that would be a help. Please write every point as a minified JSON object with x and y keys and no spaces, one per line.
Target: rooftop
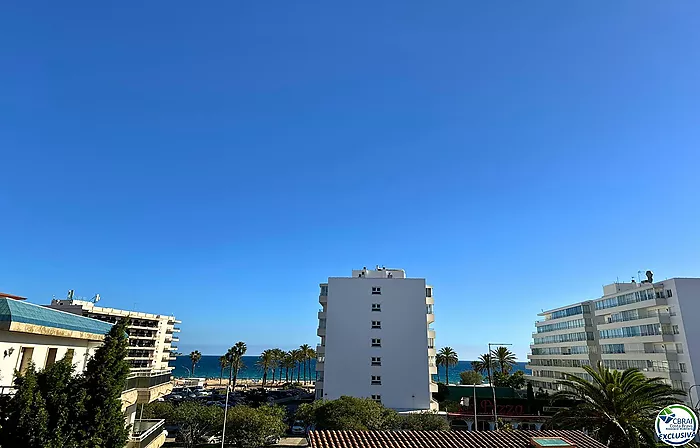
{"x":449,"y":439}
{"x":15,"y":311}
{"x":10,"y":296}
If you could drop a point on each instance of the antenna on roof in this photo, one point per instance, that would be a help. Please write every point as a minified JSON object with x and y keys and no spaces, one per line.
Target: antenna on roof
{"x":70,"y":294}
{"x":95,"y":299}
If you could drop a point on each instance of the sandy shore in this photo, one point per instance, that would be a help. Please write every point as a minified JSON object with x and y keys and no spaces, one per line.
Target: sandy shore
{"x":243,"y":384}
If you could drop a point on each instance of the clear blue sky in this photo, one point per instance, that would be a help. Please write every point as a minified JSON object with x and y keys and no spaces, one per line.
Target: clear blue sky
{"x":218,"y":160}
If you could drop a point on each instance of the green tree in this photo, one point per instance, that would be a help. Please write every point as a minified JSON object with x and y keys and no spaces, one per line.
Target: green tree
{"x":104,"y":380}
{"x":504,"y":358}
{"x":310,"y":354}
{"x":470,"y":377}
{"x":516,"y":380}
{"x":348,"y":413}
{"x":265,"y":361}
{"x":298,"y":358}
{"x":484,"y":364}
{"x":195,"y":356}
{"x":254,"y":427}
{"x":423,"y":421}
{"x":223,"y":363}
{"x":447,"y":357}
{"x":304,"y":356}
{"x":617,"y":408}
{"x":27,"y":418}
{"x":195,"y":420}
{"x":288,"y":363}
{"x":277,"y":357}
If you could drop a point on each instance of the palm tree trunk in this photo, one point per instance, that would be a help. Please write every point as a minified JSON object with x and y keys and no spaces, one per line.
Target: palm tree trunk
{"x":298,"y":372}
{"x":221,"y":376}
{"x":447,"y":374}
{"x":235,"y":375}
{"x":264,"y":377}
{"x":304,"y":369}
{"x":273,"y":375}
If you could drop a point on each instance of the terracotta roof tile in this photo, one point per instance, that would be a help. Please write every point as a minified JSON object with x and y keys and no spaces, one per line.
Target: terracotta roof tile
{"x":441,"y":439}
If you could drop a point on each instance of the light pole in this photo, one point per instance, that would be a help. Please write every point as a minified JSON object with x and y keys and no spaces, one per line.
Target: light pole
{"x":691,"y":395}
{"x":189,"y":372}
{"x":493,"y":389}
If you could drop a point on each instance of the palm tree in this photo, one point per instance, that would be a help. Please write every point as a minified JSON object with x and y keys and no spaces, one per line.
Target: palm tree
{"x":288,"y":363}
{"x":278,"y":356}
{"x":618,"y":408}
{"x":296,"y":355}
{"x":446,"y":357}
{"x":311,"y":354}
{"x":223,"y":363}
{"x":195,"y":356}
{"x":504,"y":358}
{"x":265,"y":361}
{"x":233,"y":357}
{"x":304,"y":354}
{"x":484,"y":365}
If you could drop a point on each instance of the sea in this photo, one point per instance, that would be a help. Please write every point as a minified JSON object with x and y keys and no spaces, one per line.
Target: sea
{"x":208,"y":367}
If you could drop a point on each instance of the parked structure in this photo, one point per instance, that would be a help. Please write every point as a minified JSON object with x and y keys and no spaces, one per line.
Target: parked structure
{"x":648,"y":325}
{"x":376,"y":339}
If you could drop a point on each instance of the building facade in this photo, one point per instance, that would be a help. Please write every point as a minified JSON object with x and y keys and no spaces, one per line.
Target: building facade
{"x":152,"y":337}
{"x":648,"y":325}
{"x":38,"y":334}
{"x":376,"y":339}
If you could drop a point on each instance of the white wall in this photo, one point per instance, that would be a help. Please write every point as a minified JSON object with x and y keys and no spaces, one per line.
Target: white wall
{"x":41,"y":345}
{"x":404,"y":351}
{"x":686,"y":299}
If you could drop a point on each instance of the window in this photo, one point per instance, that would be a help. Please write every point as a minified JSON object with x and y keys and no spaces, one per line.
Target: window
{"x":669,"y":293}
{"x":51,"y":357}
{"x":26,"y":358}
{"x":376,"y":380}
{"x":686,"y":386}
{"x":683,"y":367}
{"x":376,"y":307}
{"x":376,"y":290}
{"x":69,"y":353}
{"x":324,"y":290}
{"x":376,"y":324}
{"x":431,"y":342}
{"x":319,"y":394}
{"x":428,"y":292}
{"x":377,"y":398}
{"x":429,"y":309}
{"x":376,"y":342}
{"x":376,"y":361}
{"x":675,"y":329}
{"x":679,"y":348}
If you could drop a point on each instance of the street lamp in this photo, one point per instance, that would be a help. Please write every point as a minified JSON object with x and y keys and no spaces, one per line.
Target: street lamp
{"x":493,"y":389}
{"x":189,"y":372}
{"x":691,"y":395}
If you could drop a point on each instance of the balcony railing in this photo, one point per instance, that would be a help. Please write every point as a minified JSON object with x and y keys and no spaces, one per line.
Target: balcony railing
{"x":145,"y":380}
{"x":145,"y":431}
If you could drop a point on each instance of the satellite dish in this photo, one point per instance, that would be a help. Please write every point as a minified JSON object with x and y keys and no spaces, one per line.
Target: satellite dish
{"x":650,"y":276}
{"x":96,"y":298}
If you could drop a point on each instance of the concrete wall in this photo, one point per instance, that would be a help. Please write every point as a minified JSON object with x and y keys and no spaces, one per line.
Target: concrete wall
{"x":41,"y":345}
{"x":404,"y":370}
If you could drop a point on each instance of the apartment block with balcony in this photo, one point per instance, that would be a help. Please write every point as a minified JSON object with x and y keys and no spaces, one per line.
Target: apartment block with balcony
{"x":376,"y":339}
{"x":152,"y":337}
{"x":39,"y":334}
{"x":648,"y":325}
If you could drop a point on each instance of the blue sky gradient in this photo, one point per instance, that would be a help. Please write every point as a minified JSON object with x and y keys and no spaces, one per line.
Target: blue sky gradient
{"x":218,"y":160}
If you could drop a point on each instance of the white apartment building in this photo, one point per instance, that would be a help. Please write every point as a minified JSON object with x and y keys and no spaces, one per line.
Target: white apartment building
{"x":376,"y":339}
{"x":649,"y":325}
{"x":39,"y":334}
{"x":152,"y":337}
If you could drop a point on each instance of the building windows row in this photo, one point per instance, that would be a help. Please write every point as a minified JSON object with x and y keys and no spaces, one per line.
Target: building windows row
{"x":429,"y":309}
{"x":638,"y":330}
{"x":376,"y":324}
{"x":573,"y":350}
{"x":560,"y":362}
{"x":569,"y":337}
{"x":428,"y":292}
{"x":376,"y":380}
{"x":612,"y":348}
{"x":376,"y":342}
{"x":576,"y":323}
{"x":642,"y":364}
{"x":632,"y":297}
{"x":431,"y":342}
{"x":571,"y":311}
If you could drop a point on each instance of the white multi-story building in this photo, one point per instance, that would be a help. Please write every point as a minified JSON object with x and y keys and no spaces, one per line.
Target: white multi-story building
{"x":376,"y":339}
{"x":649,"y":325}
{"x":152,"y":337}
{"x":37,"y":334}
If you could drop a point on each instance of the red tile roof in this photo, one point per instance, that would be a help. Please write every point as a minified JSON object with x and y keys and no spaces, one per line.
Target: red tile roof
{"x":10,"y":296}
{"x":442,"y":439}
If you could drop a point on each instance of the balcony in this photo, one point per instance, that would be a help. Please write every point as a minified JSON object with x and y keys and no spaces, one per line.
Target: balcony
{"x":320,"y":350}
{"x":147,"y":434}
{"x":321,"y":315}
{"x":321,"y":331}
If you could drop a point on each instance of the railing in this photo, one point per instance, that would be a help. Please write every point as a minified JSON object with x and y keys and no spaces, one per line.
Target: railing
{"x":145,"y":431}
{"x":144,"y":380}
{"x":7,"y":390}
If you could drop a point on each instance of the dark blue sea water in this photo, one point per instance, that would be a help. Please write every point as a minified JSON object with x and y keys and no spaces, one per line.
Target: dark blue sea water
{"x":208,"y":367}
